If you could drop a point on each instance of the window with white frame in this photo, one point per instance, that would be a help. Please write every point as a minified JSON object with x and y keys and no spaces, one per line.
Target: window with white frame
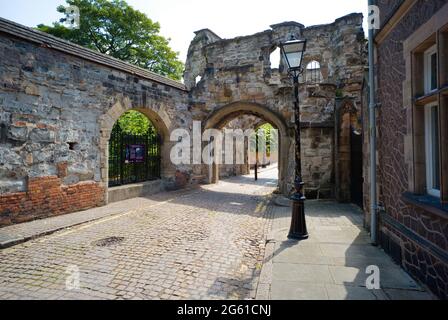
{"x":430,"y":70}
{"x":432,"y":149}
{"x":428,"y":76}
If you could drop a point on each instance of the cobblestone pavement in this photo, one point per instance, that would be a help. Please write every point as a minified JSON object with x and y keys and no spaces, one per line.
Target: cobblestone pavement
{"x":206,"y":243}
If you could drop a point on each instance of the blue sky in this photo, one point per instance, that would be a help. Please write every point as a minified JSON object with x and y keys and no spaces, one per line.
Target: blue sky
{"x":180,"y":18}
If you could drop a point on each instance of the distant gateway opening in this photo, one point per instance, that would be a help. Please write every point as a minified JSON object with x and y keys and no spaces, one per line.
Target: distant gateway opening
{"x":134,"y":150}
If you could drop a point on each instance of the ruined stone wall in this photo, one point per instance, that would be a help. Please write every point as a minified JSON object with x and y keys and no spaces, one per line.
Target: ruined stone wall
{"x":340,"y":50}
{"x":244,"y":122}
{"x":239,"y":71}
{"x":247,"y":122}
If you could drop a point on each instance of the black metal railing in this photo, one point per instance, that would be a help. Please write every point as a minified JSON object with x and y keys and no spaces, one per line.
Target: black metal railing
{"x":133,"y":158}
{"x":313,"y":75}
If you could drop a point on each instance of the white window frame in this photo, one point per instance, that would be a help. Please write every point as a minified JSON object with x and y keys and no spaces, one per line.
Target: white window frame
{"x":427,"y":70}
{"x":429,"y":151}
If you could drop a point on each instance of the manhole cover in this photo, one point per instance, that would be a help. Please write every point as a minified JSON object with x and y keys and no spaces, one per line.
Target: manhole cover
{"x":106,"y":242}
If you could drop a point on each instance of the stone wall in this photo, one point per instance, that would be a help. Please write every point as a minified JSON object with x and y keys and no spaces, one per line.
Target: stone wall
{"x":366,"y":151}
{"x":57,"y":111}
{"x":239,"y":71}
{"x":59,"y":102}
{"x":418,"y":239}
{"x":387,"y":9}
{"x":244,"y":122}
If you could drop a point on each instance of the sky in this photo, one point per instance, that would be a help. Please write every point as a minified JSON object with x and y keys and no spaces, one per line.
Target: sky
{"x":179,"y":19}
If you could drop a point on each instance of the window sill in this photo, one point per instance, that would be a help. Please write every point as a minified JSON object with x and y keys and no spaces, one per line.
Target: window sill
{"x":431,"y":97}
{"x":427,"y":203}
{"x":427,"y":98}
{"x":444,"y":90}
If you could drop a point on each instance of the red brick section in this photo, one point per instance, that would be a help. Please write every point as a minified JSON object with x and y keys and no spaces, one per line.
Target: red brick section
{"x":47,"y":197}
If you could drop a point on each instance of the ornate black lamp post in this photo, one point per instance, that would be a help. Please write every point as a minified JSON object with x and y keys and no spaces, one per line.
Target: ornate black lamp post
{"x":293,"y":51}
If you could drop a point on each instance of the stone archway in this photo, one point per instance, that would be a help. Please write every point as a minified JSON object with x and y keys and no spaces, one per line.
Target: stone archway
{"x":160,"y":121}
{"x":221,"y":116}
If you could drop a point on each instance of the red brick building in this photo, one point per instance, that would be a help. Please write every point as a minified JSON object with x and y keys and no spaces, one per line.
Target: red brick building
{"x":411,"y":60}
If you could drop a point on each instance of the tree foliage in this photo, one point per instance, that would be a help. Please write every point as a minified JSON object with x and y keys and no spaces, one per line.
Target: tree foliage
{"x":267,"y":127}
{"x":135,"y":123}
{"x":115,"y":28}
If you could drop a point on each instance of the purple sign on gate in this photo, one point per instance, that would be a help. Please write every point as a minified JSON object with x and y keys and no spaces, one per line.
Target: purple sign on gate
{"x":135,"y":153}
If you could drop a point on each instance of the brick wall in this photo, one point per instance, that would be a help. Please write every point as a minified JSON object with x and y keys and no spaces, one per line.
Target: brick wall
{"x":46,"y":197}
{"x":393,"y":177}
{"x":387,"y":9}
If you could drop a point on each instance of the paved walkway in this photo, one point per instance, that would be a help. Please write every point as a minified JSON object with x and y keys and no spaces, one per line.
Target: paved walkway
{"x":331,"y":264}
{"x":206,"y":243}
{"x":23,"y":232}
{"x":224,"y":241}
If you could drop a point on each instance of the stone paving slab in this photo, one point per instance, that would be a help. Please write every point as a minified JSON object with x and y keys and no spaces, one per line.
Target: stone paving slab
{"x":294,"y":290}
{"x":331,"y":264}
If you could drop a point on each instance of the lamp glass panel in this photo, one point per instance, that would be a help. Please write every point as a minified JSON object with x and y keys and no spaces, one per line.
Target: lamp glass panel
{"x":294,"y":59}
{"x":293,"y":47}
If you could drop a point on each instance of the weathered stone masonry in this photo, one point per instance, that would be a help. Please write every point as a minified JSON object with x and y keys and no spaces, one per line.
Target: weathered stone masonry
{"x":416,"y":237}
{"x":239,"y":71}
{"x":58,"y":109}
{"x":59,"y":102}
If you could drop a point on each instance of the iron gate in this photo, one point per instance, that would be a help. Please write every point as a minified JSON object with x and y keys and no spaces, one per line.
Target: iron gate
{"x":133,"y":158}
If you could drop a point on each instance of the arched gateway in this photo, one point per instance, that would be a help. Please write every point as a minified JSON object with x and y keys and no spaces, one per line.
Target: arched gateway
{"x":160,"y":121}
{"x":221,"y":116}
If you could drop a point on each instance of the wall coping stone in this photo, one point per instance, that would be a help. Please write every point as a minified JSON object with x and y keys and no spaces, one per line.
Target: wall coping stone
{"x":51,"y":42}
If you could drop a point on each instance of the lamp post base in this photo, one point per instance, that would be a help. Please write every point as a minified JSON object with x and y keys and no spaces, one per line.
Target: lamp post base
{"x":298,"y":237}
{"x":298,"y":229}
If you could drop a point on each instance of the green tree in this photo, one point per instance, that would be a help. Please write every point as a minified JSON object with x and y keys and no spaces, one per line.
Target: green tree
{"x":134,"y":122}
{"x":115,"y":28}
{"x":267,"y":127}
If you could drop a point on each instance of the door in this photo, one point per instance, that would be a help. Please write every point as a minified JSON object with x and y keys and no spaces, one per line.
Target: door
{"x":357,"y":180}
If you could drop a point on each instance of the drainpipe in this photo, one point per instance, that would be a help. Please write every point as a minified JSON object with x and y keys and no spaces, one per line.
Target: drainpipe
{"x":372,"y":129}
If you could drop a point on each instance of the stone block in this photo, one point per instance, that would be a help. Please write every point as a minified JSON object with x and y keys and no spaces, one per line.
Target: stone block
{"x":121,"y":193}
{"x":18,"y":133}
{"x":70,"y":180}
{"x":12,"y":186}
{"x":32,"y":90}
{"x":42,"y":135}
{"x":5,"y":117}
{"x":9,"y":158}
{"x":62,"y":168}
